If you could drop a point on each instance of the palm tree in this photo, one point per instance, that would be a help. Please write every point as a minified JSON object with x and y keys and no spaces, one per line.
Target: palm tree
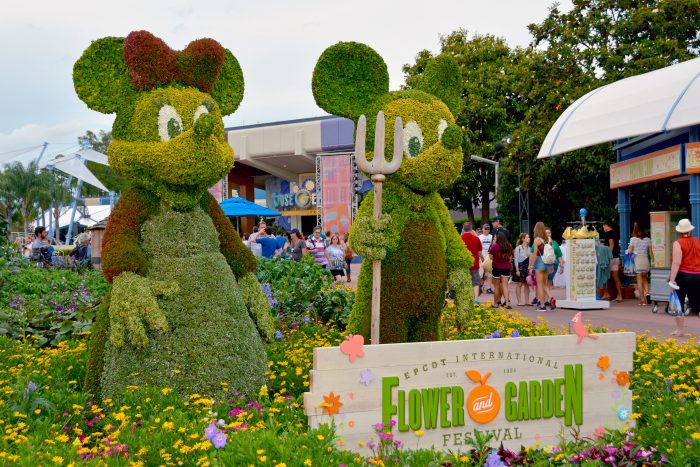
{"x":24,"y":186}
{"x":58,"y":194}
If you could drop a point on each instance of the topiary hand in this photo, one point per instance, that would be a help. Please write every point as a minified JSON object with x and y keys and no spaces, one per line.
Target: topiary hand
{"x":459,"y":284}
{"x":133,"y":302}
{"x":369,"y":239}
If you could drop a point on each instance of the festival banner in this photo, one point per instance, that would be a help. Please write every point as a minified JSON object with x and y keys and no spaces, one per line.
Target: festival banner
{"x":520,"y":390}
{"x":337,"y":192}
{"x":665,"y":163}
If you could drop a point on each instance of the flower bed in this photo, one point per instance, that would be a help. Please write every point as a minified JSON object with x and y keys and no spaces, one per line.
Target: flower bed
{"x":47,"y":418}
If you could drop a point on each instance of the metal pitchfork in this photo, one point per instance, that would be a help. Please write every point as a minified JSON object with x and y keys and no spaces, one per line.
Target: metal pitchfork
{"x":377,"y":168}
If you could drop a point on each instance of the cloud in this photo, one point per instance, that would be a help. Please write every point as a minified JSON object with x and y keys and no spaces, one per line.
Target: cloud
{"x":60,"y":136}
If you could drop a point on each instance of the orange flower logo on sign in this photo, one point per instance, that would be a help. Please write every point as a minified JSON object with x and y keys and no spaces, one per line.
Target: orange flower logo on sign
{"x":483,"y":402}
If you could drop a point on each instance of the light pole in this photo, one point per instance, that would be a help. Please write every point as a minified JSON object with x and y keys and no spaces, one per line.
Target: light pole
{"x":495,"y":189}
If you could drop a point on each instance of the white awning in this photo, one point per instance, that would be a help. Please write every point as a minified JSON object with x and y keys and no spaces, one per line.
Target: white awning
{"x":653,"y":102}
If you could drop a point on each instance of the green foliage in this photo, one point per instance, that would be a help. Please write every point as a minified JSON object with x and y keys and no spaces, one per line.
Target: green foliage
{"x":98,"y":341}
{"x":212,"y":337}
{"x":101,"y":78}
{"x":180,"y":170}
{"x":47,"y":306}
{"x":121,"y":244}
{"x":347,"y":78}
{"x":229,"y":87}
{"x":368,"y":239}
{"x":442,"y":79}
{"x":258,"y":306}
{"x":491,"y":80}
{"x":452,"y":137}
{"x":238,"y":257}
{"x":294,"y":284}
{"x":333,"y":305}
{"x":133,"y":303}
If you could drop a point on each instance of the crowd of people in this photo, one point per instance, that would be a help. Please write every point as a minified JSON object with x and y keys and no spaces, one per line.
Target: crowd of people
{"x":525,"y":264}
{"x":329,"y":250}
{"x":39,"y":249}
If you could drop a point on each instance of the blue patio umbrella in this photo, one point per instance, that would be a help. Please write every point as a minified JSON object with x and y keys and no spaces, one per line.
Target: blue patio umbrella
{"x":241,"y":207}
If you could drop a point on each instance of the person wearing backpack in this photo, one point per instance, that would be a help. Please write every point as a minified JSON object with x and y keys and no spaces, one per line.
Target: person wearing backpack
{"x":542,"y":261}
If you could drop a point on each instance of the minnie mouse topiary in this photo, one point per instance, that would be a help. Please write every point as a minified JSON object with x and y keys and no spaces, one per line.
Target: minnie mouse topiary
{"x":183,"y":286}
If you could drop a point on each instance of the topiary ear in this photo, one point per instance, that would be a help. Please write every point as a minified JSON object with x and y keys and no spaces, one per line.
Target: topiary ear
{"x":229,"y":86}
{"x":347,"y":78}
{"x":443,"y":80}
{"x":100,"y":76}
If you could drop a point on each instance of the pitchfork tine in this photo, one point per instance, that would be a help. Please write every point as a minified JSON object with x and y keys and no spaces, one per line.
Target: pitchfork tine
{"x":360,"y":158}
{"x":379,"y":143}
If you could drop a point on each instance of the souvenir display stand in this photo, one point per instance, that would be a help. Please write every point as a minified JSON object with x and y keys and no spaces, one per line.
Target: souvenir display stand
{"x":581,"y":271}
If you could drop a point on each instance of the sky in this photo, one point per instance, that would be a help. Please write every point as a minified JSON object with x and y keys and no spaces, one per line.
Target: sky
{"x":277,"y":44}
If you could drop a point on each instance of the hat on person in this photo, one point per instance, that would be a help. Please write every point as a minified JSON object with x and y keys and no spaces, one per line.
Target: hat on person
{"x":684,"y":226}
{"x":295,"y":231}
{"x":498,"y":219}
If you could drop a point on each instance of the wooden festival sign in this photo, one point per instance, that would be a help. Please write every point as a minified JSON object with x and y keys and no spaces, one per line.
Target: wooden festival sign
{"x":521,"y":390}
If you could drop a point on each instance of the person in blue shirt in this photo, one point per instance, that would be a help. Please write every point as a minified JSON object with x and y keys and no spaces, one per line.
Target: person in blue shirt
{"x":267,"y":242}
{"x":282,"y":242}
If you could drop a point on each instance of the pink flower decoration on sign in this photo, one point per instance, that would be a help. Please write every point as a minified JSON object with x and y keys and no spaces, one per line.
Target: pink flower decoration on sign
{"x":352,"y":347}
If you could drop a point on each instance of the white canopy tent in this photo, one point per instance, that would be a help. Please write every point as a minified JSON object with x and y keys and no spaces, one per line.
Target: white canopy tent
{"x":653,"y":102}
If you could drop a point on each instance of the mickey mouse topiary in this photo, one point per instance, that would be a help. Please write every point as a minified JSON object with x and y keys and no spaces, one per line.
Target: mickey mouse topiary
{"x":176,"y":315}
{"x":422,"y":254}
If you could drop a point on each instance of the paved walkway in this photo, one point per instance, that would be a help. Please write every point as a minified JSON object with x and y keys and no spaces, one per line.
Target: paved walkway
{"x":627,"y":315}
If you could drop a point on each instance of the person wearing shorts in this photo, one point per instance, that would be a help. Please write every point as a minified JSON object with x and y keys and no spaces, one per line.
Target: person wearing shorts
{"x":613,"y":241}
{"x":501,"y":253}
{"x":473,"y":244}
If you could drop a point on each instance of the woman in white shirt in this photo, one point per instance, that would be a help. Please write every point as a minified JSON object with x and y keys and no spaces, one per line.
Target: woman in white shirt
{"x":521,"y":256}
{"x":640,"y":245}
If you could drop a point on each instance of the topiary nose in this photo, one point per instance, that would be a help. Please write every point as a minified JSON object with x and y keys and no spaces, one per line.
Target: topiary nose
{"x":204,"y":125}
{"x":452,"y":137}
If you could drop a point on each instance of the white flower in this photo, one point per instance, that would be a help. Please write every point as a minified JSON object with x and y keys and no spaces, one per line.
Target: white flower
{"x":412,"y":139}
{"x":200,"y":110}
{"x":169,"y":123}
{"x":441,"y":129}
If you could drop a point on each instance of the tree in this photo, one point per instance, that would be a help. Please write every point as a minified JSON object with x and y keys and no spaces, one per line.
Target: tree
{"x":492,"y":108}
{"x":597,"y":42}
{"x":59,"y":194}
{"x":100,"y":142}
{"x":25,"y":186}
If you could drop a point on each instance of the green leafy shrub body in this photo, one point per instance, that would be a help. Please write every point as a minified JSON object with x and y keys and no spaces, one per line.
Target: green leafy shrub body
{"x":210,"y":336}
{"x":173,"y":258}
{"x":422,"y":252}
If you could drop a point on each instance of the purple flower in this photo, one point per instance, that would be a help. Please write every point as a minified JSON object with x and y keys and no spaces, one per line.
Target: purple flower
{"x":235,"y":412}
{"x":31,"y":387}
{"x":515,"y":333}
{"x":278,"y":334}
{"x":219,"y":440}
{"x":496,"y":334}
{"x":255,"y":405}
{"x":305,"y":319}
{"x":493,"y":460}
{"x":210,"y":431}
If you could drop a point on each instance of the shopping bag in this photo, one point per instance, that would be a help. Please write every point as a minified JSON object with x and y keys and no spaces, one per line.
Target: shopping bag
{"x":674,"y":304}
{"x":628,"y":264}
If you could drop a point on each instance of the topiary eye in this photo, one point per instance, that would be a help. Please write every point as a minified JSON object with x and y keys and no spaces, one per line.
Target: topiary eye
{"x":441,"y":129}
{"x":412,"y":139}
{"x":169,"y":123}
{"x":202,"y":109}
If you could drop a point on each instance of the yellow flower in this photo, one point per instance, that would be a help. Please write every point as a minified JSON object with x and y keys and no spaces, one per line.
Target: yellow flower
{"x":57,"y":459}
{"x":419,"y":433}
{"x":260,"y":451}
{"x":695,"y":436}
{"x":263,"y":391}
{"x":166,"y":391}
{"x":262,"y":458}
{"x":307,"y":462}
{"x":320,"y":437}
{"x":281,"y":465}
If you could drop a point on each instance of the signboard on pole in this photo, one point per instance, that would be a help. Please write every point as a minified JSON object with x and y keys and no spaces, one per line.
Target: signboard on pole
{"x":520,"y":390}
{"x":336,"y":172}
{"x":657,"y":165}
